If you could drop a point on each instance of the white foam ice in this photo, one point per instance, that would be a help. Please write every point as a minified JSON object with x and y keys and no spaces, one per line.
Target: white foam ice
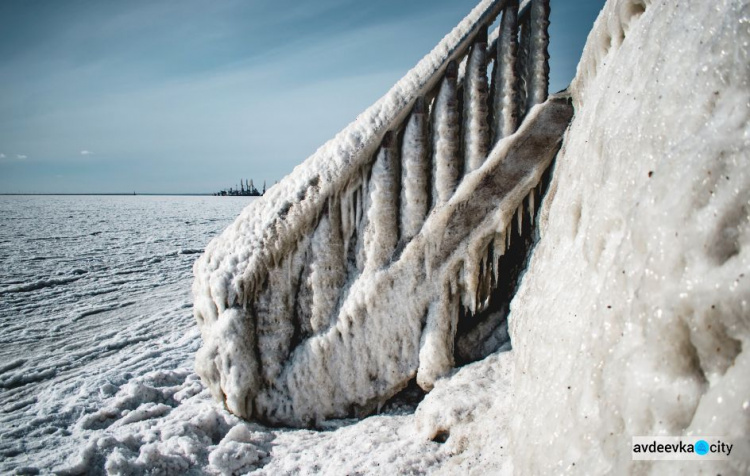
{"x":632,"y":319}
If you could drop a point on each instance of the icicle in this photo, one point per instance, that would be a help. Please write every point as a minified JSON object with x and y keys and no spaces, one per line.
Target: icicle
{"x":519,"y":215}
{"x":352,"y":214}
{"x":471,"y":280}
{"x":496,"y":254}
{"x":415,"y":186}
{"x":349,"y":216}
{"x":508,"y":233}
{"x":455,"y":279}
{"x":446,"y":137}
{"x":476,"y":129}
{"x":532,"y":207}
{"x":499,"y":243}
{"x":538,"y":68}
{"x":485,"y":274}
{"x":492,"y":278}
{"x":345,"y":218}
{"x":505,"y":106}
{"x":358,"y":206}
{"x":381,"y":235}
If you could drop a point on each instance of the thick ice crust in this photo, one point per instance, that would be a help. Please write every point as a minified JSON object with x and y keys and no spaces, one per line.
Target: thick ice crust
{"x":633,"y":318}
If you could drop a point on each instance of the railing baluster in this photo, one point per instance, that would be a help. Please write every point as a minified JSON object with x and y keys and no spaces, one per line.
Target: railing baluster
{"x":446,"y":140}
{"x":436,"y":352}
{"x":538,"y":67}
{"x":491,"y":113}
{"x":522,"y":65}
{"x":476,"y":130}
{"x":415,"y":185}
{"x":506,"y":80}
{"x":328,"y":266}
{"x":381,"y":235}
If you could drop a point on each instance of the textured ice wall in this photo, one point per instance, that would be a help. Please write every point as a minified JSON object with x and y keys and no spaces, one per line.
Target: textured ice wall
{"x":634,"y":315}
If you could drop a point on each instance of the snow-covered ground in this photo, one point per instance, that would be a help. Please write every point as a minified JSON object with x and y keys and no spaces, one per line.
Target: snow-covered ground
{"x":632,"y":318}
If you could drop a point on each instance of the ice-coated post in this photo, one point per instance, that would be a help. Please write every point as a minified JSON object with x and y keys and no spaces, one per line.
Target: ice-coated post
{"x":476,"y":130}
{"x":328,"y":267}
{"x":381,"y":235}
{"x":538,"y":68}
{"x":415,"y":185}
{"x":436,"y":346}
{"x":506,"y":80}
{"x":491,"y":100}
{"x":522,"y":65}
{"x":446,"y":138}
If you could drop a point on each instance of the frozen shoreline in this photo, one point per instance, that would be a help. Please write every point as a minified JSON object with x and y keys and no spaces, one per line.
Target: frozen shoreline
{"x":632,"y":318}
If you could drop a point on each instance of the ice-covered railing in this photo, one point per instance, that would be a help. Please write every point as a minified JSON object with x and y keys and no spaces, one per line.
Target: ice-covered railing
{"x":383,"y":257}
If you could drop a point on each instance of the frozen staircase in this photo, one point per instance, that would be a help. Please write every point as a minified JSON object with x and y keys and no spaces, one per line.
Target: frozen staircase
{"x":390,"y":254}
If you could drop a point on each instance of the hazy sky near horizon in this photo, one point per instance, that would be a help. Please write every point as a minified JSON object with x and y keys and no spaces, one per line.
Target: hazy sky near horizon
{"x":189,"y":96}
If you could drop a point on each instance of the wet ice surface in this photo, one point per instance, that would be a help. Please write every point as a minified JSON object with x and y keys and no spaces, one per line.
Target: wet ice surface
{"x":94,"y":293}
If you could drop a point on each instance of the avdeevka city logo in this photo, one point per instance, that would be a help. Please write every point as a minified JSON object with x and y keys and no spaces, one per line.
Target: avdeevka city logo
{"x":701,"y":447}
{"x":677,"y":448}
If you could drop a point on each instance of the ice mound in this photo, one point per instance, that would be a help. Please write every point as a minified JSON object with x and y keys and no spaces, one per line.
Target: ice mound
{"x":166,"y":422}
{"x":470,"y":412}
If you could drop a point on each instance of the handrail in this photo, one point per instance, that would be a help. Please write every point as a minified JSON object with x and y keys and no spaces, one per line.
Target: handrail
{"x":296,"y":201}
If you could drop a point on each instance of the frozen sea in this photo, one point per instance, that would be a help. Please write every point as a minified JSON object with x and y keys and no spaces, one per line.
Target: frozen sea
{"x":94,"y":292}
{"x":98,"y":345}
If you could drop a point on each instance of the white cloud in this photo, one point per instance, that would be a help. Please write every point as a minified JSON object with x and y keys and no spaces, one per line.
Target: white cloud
{"x":86,"y":152}
{"x":2,"y":156}
{"x":21,"y":157}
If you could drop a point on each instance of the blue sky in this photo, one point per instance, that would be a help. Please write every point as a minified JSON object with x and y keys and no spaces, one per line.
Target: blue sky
{"x":178,"y":96}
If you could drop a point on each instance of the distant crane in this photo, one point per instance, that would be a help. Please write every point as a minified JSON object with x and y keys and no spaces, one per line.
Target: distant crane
{"x":246,"y":188}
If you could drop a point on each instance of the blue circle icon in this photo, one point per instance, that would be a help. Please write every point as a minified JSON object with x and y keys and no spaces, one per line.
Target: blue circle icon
{"x":701,"y":447}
